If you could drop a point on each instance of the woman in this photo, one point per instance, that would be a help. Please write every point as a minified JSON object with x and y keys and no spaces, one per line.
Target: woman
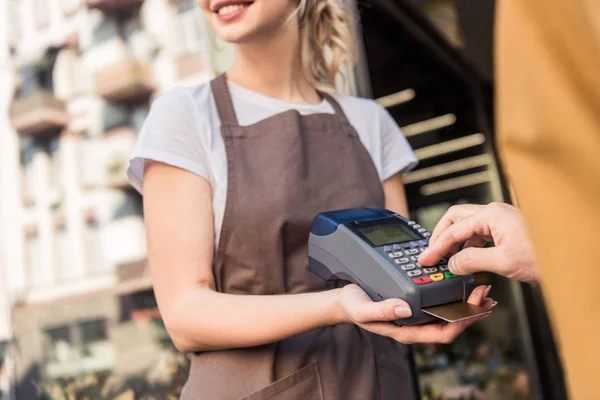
{"x":233,"y":173}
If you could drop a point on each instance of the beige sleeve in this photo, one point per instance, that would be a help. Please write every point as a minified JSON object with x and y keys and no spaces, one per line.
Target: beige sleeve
{"x":548,"y":79}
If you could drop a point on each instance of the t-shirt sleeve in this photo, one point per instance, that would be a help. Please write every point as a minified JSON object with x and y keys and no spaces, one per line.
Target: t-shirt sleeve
{"x":396,"y":153}
{"x":171,"y":135}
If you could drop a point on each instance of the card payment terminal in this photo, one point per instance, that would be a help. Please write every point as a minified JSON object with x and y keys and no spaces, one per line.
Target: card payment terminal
{"x":378,"y":250}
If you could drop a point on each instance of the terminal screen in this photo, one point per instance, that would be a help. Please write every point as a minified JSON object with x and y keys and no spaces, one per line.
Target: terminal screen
{"x":382,"y":235}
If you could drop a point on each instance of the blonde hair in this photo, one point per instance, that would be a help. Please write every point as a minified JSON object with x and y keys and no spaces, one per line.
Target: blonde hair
{"x":325,"y":40}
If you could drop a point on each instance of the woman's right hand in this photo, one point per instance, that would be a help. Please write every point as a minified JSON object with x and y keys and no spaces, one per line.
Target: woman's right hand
{"x":355,"y":306}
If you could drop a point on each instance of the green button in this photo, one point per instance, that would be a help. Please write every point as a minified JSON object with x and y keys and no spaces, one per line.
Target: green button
{"x":449,"y":275}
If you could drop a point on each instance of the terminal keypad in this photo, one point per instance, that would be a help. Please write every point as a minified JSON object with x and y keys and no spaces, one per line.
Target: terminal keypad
{"x":405,"y":257}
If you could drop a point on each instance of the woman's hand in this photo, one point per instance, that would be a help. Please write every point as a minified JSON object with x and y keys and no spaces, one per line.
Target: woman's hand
{"x":356,"y":307}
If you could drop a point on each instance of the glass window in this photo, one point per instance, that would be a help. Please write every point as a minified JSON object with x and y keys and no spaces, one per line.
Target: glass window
{"x":63,"y":253}
{"x":28,"y":151}
{"x":93,"y":331}
{"x":59,"y":345}
{"x":93,"y":247}
{"x":36,"y":275}
{"x":131,"y":205}
{"x":107,"y":29}
{"x":55,"y":171}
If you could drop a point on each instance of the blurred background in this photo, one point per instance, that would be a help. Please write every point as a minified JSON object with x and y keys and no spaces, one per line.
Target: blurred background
{"x":78,"y":318}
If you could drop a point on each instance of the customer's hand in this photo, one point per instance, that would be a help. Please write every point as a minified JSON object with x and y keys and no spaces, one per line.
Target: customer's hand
{"x":475,"y":226}
{"x":356,"y":307}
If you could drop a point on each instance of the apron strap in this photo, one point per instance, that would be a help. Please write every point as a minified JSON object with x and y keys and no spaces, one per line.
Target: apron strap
{"x":223,"y":101}
{"x":339,"y":111}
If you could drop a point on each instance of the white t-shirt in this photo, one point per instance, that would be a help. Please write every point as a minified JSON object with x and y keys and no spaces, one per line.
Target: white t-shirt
{"x":183,"y":130}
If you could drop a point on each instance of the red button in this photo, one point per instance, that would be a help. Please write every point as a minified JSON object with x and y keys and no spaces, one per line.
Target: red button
{"x":422,"y":281}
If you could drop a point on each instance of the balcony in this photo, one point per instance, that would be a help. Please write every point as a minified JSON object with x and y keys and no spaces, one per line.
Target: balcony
{"x":110,"y":6}
{"x":128,"y":81}
{"x":39,"y":114}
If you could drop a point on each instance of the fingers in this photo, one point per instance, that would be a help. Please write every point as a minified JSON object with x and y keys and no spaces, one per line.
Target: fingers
{"x":474,"y":259}
{"x":467,"y":228}
{"x":387,"y":310}
{"x":431,"y":333}
{"x":453,"y":215}
{"x":478,"y":294}
{"x":476,"y":241}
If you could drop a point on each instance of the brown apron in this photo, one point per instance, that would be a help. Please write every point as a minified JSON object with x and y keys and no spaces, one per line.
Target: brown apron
{"x":282,"y":171}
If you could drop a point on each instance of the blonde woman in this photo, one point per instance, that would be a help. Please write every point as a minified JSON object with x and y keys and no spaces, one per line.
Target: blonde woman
{"x":233,"y":172}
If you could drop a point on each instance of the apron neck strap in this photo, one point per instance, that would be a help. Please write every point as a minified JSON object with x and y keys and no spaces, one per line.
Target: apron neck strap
{"x":334,"y":104}
{"x":225,"y":108}
{"x":222,"y":96}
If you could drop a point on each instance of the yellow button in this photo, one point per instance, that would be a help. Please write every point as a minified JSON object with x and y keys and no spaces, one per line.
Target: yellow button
{"x":437,"y":277}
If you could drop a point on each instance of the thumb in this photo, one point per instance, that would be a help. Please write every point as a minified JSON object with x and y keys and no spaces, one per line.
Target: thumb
{"x":474,"y":259}
{"x":387,"y":310}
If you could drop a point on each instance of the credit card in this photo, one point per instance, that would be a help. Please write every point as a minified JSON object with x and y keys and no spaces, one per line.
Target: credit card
{"x":454,"y":312}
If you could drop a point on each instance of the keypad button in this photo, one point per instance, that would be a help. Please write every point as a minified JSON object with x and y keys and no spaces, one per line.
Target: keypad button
{"x":387,"y":249}
{"x":449,"y":275}
{"x":402,"y":260}
{"x":414,"y":245}
{"x":437,"y":277}
{"x":406,"y":246}
{"x":414,"y":273}
{"x":427,"y":234}
{"x":422,"y":281}
{"x":408,"y":267}
{"x":422,"y":249}
{"x":443,"y":268}
{"x":422,"y":230}
{"x":430,"y":270}
{"x":395,"y":254}
{"x":416,"y":226}
{"x":411,"y":223}
{"x":414,"y":258}
{"x":396,"y":247}
{"x":411,"y":251}
{"x":423,"y":242}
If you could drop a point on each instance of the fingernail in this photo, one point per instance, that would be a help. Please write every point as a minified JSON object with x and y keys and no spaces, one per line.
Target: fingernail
{"x":403,"y":311}
{"x":494,"y":304}
{"x":487,"y":291}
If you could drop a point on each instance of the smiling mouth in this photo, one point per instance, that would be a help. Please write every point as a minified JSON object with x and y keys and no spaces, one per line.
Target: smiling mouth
{"x":230,"y":8}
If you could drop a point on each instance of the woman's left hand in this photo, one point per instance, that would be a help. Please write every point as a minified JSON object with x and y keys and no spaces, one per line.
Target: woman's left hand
{"x":442,"y":332}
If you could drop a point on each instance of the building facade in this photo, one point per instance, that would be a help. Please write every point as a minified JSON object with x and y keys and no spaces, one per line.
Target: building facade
{"x":77,"y":78}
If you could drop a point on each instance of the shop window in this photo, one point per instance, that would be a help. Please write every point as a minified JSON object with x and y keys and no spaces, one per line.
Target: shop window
{"x":78,"y":347}
{"x":59,"y":345}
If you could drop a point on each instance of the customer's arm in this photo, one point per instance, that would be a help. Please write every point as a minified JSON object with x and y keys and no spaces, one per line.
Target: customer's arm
{"x":548,"y":113}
